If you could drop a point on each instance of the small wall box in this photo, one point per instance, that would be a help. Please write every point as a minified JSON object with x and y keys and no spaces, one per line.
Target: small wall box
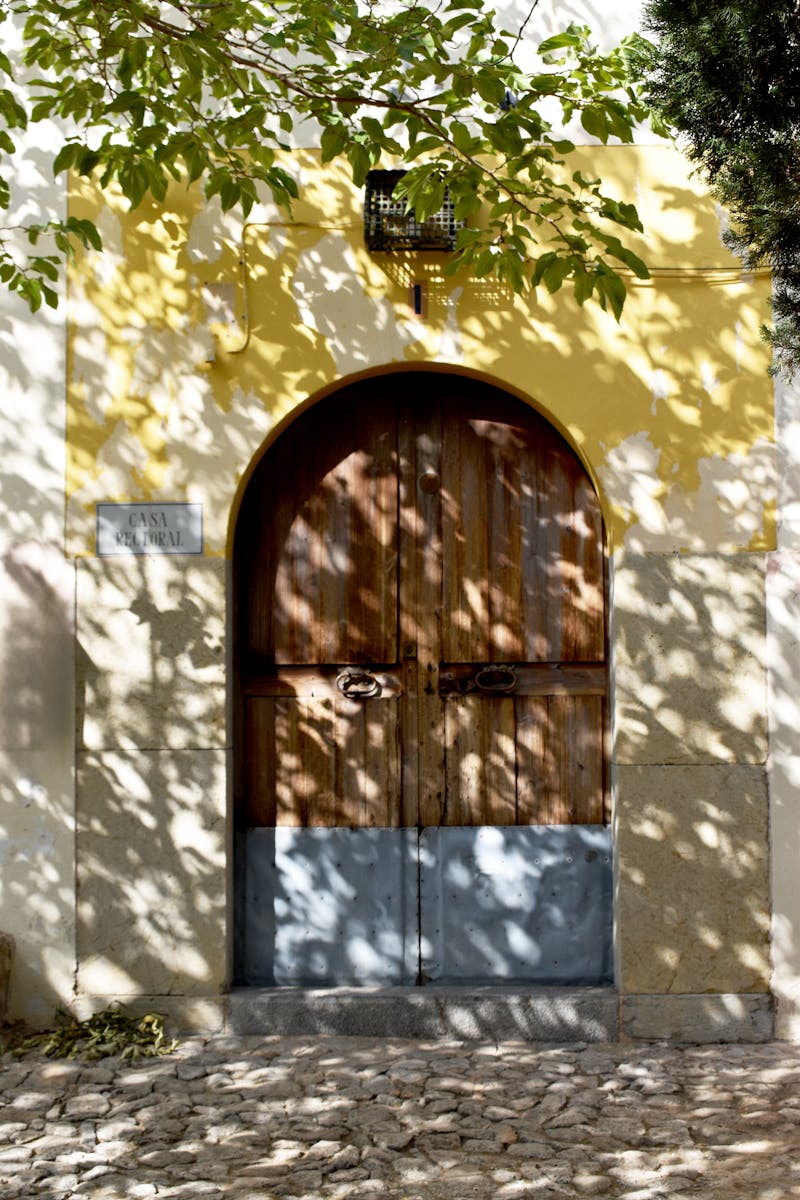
{"x":387,"y":225}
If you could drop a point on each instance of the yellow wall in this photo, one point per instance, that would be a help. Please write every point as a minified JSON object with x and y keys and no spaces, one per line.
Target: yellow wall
{"x":192,"y":339}
{"x":672,"y":409}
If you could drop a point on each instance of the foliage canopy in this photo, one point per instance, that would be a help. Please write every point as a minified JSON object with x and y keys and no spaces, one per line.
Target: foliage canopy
{"x":727,"y":76}
{"x":216,"y":91}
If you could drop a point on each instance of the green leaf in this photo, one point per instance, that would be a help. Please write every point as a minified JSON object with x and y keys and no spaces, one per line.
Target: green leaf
{"x":196,"y":160}
{"x":86,"y":161}
{"x":555,"y":273}
{"x":484,"y":264}
{"x":505,"y":137}
{"x":610,"y":286}
{"x":425,"y":145}
{"x":462,"y":137}
{"x":541,"y":265}
{"x":134,"y":182}
{"x":595,"y":122}
{"x":615,"y":248}
{"x":127,"y":101}
{"x":569,"y":39}
{"x":66,"y":157}
{"x":86,"y":232}
{"x":490,"y":88}
{"x":333,"y":141}
{"x":583,"y":286}
{"x":360,"y":163}
{"x":229,"y":194}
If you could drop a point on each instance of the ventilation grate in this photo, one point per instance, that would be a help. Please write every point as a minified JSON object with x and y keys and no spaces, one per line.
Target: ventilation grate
{"x":387,"y":225}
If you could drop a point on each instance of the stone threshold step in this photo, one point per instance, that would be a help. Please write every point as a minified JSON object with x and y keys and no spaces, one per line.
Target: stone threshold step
{"x":531,"y":1014}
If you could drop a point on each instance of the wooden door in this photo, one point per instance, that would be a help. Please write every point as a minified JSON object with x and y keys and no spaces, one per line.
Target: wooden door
{"x":421,"y":645}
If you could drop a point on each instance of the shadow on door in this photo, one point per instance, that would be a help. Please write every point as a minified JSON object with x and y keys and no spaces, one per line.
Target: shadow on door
{"x":421,"y":661}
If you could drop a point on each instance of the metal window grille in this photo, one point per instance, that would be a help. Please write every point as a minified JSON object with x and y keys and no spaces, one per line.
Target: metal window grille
{"x":387,"y":225}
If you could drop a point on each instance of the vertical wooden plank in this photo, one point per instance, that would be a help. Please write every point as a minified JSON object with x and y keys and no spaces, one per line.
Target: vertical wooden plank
{"x":562,"y":802}
{"x":410,"y":527}
{"x":531,"y":718}
{"x":381,"y":793}
{"x":291,"y":804}
{"x":367,"y":776}
{"x":259,"y":773}
{"x":349,"y":742}
{"x":587,"y":553}
{"x":586,"y":760}
{"x":463,"y":761}
{"x":555,"y":528}
{"x":254,"y":584}
{"x":305,"y":762}
{"x":465,"y":537}
{"x":500,"y":447}
{"x":319,"y":762}
{"x":573,"y":558}
{"x":500,"y":798}
{"x":422,"y":709}
{"x":384,"y":519}
{"x":549,"y":473}
{"x":535,"y":552}
{"x":506,"y":636}
{"x":480,"y":761}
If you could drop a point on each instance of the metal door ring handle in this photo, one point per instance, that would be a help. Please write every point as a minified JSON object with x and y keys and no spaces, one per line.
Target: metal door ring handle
{"x":358,"y":685}
{"x":496,"y":679}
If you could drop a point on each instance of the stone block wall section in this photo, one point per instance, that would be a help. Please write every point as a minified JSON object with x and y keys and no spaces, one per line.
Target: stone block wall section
{"x":692,"y":813}
{"x":783,"y":644}
{"x":152,"y":775}
{"x":37,"y":605}
{"x":37,"y":801}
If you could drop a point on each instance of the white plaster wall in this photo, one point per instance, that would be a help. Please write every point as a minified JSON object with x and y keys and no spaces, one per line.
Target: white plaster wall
{"x":37,"y":836}
{"x":783,"y":655}
{"x":609,"y":24}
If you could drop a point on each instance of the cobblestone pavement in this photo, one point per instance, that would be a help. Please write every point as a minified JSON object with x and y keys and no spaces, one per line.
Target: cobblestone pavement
{"x":256,"y":1119}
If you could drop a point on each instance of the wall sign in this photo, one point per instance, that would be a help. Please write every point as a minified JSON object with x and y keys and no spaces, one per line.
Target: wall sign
{"x":166,"y":528}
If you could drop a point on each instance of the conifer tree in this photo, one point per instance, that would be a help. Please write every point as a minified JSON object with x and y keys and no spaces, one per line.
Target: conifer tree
{"x":727,"y":76}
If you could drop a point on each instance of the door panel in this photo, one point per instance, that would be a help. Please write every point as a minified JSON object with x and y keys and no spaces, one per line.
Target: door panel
{"x":420,"y":577}
{"x":560,"y":760}
{"x":522,"y":543}
{"x":524,"y":760}
{"x":328,"y":907}
{"x":319,"y":540}
{"x":323,"y":761}
{"x":516,"y":904}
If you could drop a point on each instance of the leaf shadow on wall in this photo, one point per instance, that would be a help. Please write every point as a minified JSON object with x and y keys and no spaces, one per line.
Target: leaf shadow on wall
{"x":151,"y":807}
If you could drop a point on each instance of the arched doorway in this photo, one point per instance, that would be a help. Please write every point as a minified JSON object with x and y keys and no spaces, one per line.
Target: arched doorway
{"x":421,"y":645}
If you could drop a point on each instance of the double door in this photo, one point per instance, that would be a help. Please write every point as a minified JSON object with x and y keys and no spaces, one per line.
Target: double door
{"x":421,"y":663}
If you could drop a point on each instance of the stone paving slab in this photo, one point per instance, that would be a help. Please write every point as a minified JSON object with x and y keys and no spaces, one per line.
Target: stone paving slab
{"x":351,"y":1118}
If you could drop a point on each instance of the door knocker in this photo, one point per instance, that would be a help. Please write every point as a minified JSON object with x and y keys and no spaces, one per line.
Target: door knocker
{"x":496,"y":680}
{"x":358,"y":685}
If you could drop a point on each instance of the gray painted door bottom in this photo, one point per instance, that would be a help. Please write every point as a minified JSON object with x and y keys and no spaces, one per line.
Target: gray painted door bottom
{"x":391,"y":908}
